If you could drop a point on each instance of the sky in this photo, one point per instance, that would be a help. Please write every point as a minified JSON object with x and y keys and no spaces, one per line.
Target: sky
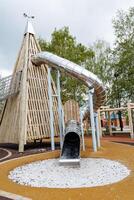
{"x":88,"y":21}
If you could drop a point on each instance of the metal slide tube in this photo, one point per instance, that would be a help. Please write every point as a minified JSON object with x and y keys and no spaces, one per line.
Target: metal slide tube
{"x":71,"y":146}
{"x":88,"y":78}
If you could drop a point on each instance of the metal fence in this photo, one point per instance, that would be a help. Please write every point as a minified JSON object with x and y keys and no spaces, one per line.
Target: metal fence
{"x":9,"y":85}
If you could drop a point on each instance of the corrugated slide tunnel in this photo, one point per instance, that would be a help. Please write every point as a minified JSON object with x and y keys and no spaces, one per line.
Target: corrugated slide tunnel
{"x":71,"y":145}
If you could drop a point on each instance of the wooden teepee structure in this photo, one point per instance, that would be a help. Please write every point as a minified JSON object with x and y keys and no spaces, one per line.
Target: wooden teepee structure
{"x":26,"y":115}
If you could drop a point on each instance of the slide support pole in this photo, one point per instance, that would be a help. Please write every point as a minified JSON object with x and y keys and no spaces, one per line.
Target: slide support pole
{"x":59,"y":108}
{"x":91,"y":92}
{"x":51,"y":109}
{"x":82,"y":131}
{"x":97,"y":129}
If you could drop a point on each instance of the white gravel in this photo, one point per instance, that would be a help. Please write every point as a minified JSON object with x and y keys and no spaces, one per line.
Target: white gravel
{"x":48,"y":173}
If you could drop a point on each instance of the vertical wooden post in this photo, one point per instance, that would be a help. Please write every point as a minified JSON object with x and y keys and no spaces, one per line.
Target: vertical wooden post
{"x":130,"y":121}
{"x":109,"y":123}
{"x":51,"y":109}
{"x":23,"y":102}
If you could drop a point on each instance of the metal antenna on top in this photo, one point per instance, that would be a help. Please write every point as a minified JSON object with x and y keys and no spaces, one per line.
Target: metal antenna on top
{"x":29,"y":27}
{"x":28,"y":16}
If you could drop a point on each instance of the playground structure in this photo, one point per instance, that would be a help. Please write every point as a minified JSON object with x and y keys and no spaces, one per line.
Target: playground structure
{"x":33,"y":111}
{"x":96,"y":88}
{"x":33,"y":108}
{"x":106,"y":109}
{"x":25,"y":114}
{"x":73,"y":134}
{"x":70,"y":153}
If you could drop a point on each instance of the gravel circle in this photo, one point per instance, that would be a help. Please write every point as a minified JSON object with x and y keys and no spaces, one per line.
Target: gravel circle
{"x":48,"y":173}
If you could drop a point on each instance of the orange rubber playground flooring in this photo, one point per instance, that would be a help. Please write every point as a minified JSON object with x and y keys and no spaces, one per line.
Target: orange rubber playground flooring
{"x":123,"y":190}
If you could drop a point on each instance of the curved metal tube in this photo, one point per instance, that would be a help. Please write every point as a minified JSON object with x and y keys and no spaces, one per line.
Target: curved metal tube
{"x":87,"y":77}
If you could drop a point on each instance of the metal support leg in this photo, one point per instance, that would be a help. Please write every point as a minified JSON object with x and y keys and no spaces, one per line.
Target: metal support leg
{"x":82,"y":131}
{"x":92,"y":119}
{"x":97,"y":129}
{"x":51,"y":109}
{"x":59,"y":108}
{"x":63,"y":122}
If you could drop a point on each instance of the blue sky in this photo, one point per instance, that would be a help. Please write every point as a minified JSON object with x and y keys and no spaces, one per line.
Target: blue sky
{"x":88,"y":21}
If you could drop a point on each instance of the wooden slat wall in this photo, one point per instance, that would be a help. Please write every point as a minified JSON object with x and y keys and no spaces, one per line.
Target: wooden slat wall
{"x":71,"y":111}
{"x":37,"y":109}
{"x":38,"y":117}
{"x":10,"y":126}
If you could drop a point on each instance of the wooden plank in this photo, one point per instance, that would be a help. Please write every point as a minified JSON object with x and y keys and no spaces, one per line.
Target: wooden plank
{"x":130,"y":121}
{"x":99,"y":122}
{"x":23,"y":93}
{"x":112,"y":109}
{"x":26,"y":116}
{"x":109,"y":123}
{"x":71,"y":111}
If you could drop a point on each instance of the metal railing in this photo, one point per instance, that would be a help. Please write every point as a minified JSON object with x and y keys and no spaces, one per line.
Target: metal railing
{"x":9,"y":85}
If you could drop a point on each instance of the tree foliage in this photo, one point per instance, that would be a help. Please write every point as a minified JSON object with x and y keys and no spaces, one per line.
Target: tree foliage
{"x":100,"y":64}
{"x":115,"y":67}
{"x":123,"y":58}
{"x":65,"y":45}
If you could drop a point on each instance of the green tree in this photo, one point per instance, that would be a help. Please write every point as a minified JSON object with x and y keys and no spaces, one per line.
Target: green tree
{"x":123,"y":58}
{"x":101,"y":63}
{"x":65,"y":45}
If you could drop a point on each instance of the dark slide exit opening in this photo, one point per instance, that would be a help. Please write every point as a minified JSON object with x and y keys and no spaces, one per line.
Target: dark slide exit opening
{"x":71,"y":146}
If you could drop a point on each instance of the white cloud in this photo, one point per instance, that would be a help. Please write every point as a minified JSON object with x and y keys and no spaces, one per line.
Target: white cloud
{"x":5,"y":72}
{"x":5,"y":68}
{"x":88,"y":21}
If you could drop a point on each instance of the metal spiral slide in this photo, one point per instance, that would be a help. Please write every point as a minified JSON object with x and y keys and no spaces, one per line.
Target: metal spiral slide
{"x":71,"y":145}
{"x":87,"y":77}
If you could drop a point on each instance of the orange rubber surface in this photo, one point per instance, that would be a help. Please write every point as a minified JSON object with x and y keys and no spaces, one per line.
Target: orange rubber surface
{"x":123,"y":190}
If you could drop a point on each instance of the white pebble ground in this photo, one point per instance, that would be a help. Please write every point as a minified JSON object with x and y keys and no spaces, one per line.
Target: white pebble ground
{"x":48,"y":173}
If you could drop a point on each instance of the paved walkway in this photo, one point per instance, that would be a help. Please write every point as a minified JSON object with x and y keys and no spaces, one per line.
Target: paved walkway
{"x":122,"y":139}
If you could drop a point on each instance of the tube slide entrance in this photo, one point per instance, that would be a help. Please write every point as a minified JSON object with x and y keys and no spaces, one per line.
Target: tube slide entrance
{"x":71,"y":146}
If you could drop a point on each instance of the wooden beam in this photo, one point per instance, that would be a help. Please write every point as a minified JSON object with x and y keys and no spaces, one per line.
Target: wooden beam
{"x":23,"y":103}
{"x":112,"y":109}
{"x":109,"y":123}
{"x":99,"y":123}
{"x":130,"y":121}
